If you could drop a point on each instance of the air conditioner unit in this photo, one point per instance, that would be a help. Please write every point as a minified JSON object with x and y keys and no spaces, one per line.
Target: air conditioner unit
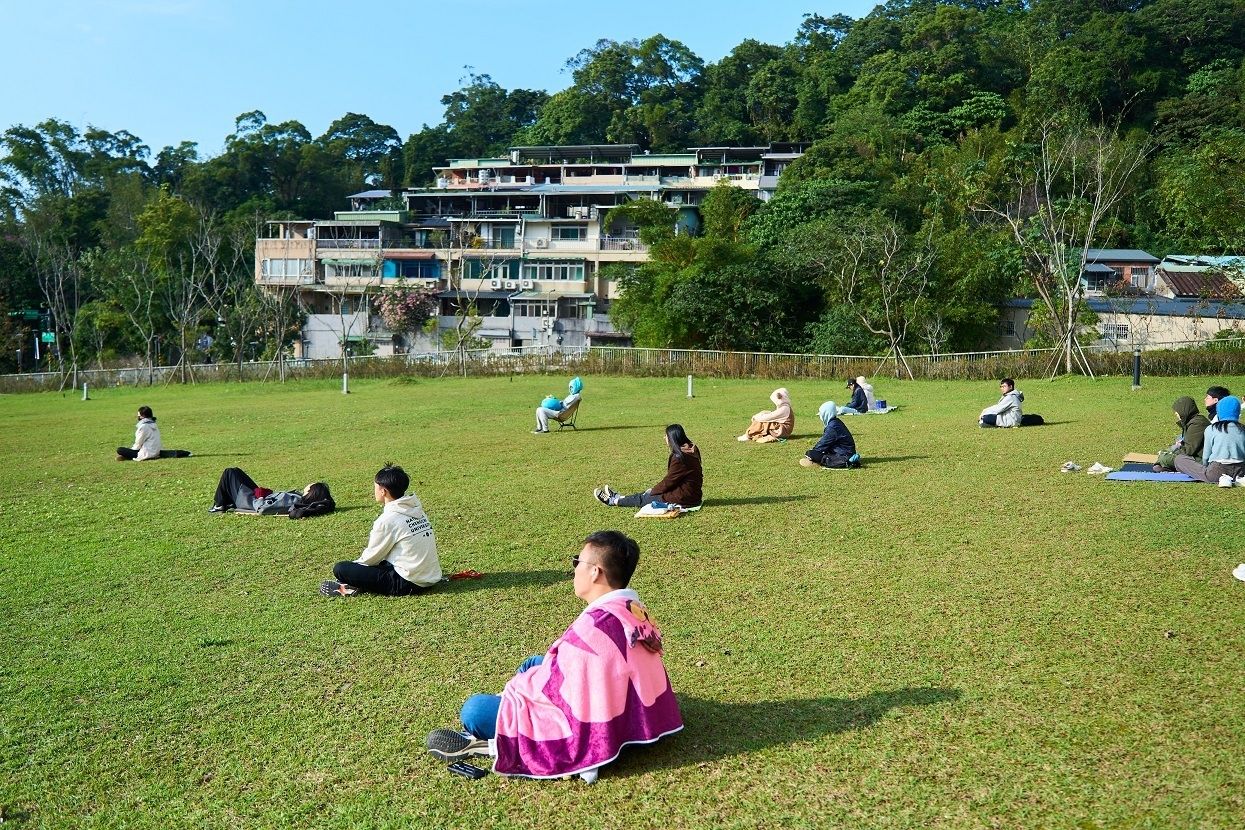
{"x":511,"y":285}
{"x":542,"y":243}
{"x":527,"y":284}
{"x":494,"y":284}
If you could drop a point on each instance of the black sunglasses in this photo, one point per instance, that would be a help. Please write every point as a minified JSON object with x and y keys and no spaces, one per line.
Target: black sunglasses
{"x":575,"y":562}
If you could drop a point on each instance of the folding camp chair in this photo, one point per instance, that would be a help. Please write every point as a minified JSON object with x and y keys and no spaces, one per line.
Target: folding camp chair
{"x":566,"y":418}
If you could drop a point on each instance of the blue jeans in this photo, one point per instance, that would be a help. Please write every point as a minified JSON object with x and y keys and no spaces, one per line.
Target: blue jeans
{"x":479,"y":713}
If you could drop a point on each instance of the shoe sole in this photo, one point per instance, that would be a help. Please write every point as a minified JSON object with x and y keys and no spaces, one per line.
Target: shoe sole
{"x":448,"y":745}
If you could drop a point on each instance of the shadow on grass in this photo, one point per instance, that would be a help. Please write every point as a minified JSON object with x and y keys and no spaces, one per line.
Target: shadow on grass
{"x":715,"y":730}
{"x":754,"y":500}
{"x":506,"y":579}
{"x":619,"y":426}
{"x":886,"y":459}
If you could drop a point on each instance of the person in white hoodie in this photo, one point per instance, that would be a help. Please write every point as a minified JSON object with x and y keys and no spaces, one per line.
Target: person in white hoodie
{"x":1005,"y":413}
{"x":401,"y":554}
{"x":146,"y":439}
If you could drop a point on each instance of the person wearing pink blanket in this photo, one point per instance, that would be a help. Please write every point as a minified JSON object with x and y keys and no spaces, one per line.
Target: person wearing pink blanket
{"x":601,"y":686}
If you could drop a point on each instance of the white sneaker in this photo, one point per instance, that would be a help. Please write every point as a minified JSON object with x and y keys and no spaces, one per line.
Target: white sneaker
{"x":743,"y":438}
{"x":1099,"y":469}
{"x":1226,"y":480}
{"x":1239,"y":572}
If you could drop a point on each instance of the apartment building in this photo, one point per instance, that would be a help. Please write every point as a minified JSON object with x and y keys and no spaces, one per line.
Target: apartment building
{"x":520,"y":242}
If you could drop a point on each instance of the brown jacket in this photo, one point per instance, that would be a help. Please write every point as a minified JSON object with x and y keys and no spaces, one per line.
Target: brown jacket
{"x":684,"y":480}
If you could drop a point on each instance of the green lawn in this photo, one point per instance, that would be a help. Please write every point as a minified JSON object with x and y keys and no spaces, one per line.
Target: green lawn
{"x":955,"y":636}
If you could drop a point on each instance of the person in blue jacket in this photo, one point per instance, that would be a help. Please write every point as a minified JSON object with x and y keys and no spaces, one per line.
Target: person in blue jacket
{"x":837,"y":448}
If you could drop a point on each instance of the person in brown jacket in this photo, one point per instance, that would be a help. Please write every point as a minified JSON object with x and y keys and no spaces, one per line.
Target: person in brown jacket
{"x":682,"y":484}
{"x":772,"y":424}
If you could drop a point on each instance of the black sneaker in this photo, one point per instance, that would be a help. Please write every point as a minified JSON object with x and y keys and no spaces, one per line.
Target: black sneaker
{"x":217,"y":508}
{"x":332,"y":588}
{"x":452,"y":745}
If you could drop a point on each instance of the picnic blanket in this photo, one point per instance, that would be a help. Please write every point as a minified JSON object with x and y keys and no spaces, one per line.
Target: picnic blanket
{"x":661,"y":510}
{"x":881,"y":411}
{"x":1140,"y":471}
{"x":601,"y":686}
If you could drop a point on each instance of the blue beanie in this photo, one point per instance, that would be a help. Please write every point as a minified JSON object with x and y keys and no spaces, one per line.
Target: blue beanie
{"x":1228,"y":409}
{"x":576,"y":386}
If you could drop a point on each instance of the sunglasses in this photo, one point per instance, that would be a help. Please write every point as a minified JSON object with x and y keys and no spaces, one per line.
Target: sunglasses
{"x":575,"y":560}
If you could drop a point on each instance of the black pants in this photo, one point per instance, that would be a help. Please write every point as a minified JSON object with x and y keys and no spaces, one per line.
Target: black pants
{"x":832,"y":460}
{"x":374,"y":579}
{"x":126,"y":452}
{"x":235,"y":489}
{"x":989,"y":420}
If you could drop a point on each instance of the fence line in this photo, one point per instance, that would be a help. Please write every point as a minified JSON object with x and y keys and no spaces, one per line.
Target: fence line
{"x":1220,"y":357}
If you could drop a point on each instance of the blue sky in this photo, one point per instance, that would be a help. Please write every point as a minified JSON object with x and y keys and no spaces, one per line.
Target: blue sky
{"x":174,"y":70}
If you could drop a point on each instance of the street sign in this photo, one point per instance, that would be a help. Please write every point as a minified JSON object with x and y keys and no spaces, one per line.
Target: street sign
{"x":48,"y":337}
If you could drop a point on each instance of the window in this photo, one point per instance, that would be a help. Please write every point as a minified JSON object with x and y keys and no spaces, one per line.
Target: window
{"x":1006,"y":327}
{"x":412,"y":269}
{"x":575,"y":232}
{"x":286,"y":268}
{"x":1114,"y":331}
{"x":359,"y":270}
{"x":539,"y":308}
{"x":553,"y":270}
{"x":1143,"y":277}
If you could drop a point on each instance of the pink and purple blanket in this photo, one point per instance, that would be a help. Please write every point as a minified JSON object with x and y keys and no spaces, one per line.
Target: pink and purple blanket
{"x":602,"y":685}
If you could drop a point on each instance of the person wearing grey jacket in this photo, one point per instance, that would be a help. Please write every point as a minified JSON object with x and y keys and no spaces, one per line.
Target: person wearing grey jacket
{"x":1007,"y":412}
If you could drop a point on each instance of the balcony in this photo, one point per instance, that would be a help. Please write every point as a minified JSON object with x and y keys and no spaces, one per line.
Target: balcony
{"x":341,"y":244}
{"x":300,"y":279}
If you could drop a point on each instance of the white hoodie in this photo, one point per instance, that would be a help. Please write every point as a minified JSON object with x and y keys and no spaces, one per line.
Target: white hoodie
{"x":147,"y":440}
{"x":402,"y":534}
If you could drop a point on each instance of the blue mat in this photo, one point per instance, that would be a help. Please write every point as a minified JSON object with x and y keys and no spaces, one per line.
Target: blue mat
{"x":1138,"y":471}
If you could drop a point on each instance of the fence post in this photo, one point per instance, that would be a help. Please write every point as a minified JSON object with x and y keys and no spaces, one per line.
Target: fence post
{"x":1136,"y":367}
{"x":85,"y":397}
{"x":345,"y":383}
{"x":689,"y":387}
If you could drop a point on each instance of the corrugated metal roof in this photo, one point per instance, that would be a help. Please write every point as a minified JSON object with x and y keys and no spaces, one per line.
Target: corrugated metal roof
{"x":1160,"y":306}
{"x":1120,"y":255}
{"x":370,"y":194}
{"x":1204,"y":284}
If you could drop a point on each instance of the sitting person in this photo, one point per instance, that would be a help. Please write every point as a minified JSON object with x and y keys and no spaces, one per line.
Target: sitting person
{"x":837,"y":448}
{"x":870,"y":400}
{"x":859,"y":404}
{"x":401,"y":554}
{"x":1223,"y":451}
{"x":1007,"y":412}
{"x":147,"y":444}
{"x":1213,"y":396}
{"x":238,"y":491}
{"x":772,"y":425}
{"x":683,"y":482}
{"x":1192,"y":425}
{"x":600,"y":686}
{"x":558,"y":410}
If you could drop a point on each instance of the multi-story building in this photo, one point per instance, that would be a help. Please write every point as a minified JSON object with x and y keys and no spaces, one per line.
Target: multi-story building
{"x":519,"y":243}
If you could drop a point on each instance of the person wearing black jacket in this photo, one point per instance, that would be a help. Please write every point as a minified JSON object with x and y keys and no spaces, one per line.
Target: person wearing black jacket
{"x":837,"y":448}
{"x":683,"y":484}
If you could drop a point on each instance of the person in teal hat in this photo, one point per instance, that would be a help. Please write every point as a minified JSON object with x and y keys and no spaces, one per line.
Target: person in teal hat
{"x":559,"y":410}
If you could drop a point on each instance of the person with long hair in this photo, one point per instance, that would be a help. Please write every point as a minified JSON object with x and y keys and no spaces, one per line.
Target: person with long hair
{"x":683,"y":484}
{"x":238,"y":491}
{"x":1223,"y":448}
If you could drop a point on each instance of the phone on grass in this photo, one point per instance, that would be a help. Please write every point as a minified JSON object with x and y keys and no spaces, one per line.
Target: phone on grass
{"x":467,"y":770}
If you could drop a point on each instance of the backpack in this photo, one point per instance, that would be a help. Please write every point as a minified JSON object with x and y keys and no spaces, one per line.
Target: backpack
{"x":277,"y":503}
{"x":1032,"y":420}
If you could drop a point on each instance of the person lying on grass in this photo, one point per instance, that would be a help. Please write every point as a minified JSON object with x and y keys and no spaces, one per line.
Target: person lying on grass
{"x":147,"y":444}
{"x":601,"y":686}
{"x":401,"y":554}
{"x":837,"y":448}
{"x":683,"y":484}
{"x":1223,"y":451}
{"x":772,"y":424}
{"x":1192,"y":425}
{"x":238,"y":491}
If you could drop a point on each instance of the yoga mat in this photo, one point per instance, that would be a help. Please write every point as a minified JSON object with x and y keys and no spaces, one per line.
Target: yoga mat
{"x":1136,"y":471}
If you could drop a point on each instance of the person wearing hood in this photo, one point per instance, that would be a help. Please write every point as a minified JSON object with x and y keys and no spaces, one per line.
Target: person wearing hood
{"x":859,"y":404}
{"x":401,"y":554}
{"x":773,"y":424}
{"x":1223,"y":450}
{"x":147,"y":443}
{"x":870,"y":400}
{"x":837,"y":448}
{"x":1192,"y":425}
{"x":558,"y":410}
{"x":1005,"y":413}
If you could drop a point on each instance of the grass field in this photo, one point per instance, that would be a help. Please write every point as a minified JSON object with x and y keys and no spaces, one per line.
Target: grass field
{"x":956,"y":635}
